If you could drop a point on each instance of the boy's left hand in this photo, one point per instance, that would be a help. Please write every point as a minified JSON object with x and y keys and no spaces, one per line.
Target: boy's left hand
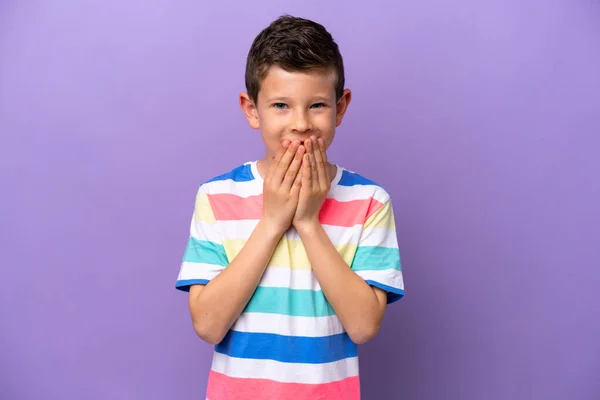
{"x":315,"y":184}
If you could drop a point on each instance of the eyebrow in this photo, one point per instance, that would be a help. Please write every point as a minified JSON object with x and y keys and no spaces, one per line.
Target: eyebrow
{"x":278,"y":99}
{"x":287,"y":100}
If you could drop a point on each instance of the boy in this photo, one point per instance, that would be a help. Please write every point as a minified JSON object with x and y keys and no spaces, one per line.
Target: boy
{"x":291,"y":260}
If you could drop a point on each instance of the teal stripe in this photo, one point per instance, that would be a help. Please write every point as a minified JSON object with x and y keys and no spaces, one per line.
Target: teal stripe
{"x":202,"y":251}
{"x":294,"y":302}
{"x":376,"y":258}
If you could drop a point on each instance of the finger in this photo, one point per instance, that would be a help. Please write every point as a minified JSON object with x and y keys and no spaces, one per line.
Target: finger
{"x":306,"y":172}
{"x":284,"y":163}
{"x":314,"y":172}
{"x":292,"y":172}
{"x":298,"y":181}
{"x":309,"y":146}
{"x":310,"y":150}
{"x":322,"y":148}
{"x":320,"y":165}
{"x":280,"y":152}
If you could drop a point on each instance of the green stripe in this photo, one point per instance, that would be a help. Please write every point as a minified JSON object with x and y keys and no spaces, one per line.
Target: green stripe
{"x":294,"y":302}
{"x":202,"y":251}
{"x":376,"y":258}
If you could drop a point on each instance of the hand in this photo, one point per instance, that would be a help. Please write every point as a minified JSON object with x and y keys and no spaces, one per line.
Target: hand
{"x":315,"y":184}
{"x":282,"y":186}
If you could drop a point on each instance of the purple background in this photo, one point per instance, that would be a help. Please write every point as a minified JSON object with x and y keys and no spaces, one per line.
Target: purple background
{"x":482,"y":120}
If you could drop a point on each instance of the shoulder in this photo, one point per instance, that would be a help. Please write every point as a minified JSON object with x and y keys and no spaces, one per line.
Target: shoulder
{"x":358,"y":187}
{"x":230,"y":181}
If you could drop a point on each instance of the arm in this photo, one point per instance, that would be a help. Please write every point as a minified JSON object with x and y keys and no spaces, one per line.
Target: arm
{"x":215,"y":307}
{"x":359,"y":306}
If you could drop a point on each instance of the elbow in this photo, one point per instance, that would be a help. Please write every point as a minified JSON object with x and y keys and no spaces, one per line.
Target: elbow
{"x":209,"y":334}
{"x":206,"y":325}
{"x":363,"y":334}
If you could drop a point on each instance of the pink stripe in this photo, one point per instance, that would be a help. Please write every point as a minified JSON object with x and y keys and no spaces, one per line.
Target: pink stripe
{"x":347,"y":213}
{"x":223,"y":387}
{"x":228,"y":207}
{"x":373,"y":208}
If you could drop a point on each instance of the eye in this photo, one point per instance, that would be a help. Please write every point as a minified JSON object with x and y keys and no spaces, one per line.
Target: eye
{"x":280,"y":106}
{"x":319,"y":105}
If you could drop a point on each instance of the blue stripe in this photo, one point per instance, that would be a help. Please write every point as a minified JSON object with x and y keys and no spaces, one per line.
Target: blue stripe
{"x":393,"y":294}
{"x":376,"y":258}
{"x":202,"y":251}
{"x":184,"y":284}
{"x":290,"y":349}
{"x":243,"y":173}
{"x":351,"y":178}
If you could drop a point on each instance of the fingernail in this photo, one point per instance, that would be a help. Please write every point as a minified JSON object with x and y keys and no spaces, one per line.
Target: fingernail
{"x":285,"y":143}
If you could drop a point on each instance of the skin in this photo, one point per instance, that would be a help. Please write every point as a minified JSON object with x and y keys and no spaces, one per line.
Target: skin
{"x":297,"y":114}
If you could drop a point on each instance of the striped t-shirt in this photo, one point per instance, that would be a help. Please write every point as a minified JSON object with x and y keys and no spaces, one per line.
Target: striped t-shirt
{"x":288,"y":343}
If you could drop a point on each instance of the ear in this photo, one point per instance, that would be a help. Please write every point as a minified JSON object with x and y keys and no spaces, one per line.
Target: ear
{"x":249,"y":109}
{"x":342,"y":106}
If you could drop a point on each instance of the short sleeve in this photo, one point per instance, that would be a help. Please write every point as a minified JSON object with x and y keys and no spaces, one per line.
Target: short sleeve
{"x":377,"y":257}
{"x":204,"y":256}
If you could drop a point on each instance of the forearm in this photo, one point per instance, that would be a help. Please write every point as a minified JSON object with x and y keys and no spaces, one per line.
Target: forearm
{"x":357,"y":305}
{"x":216,"y":306}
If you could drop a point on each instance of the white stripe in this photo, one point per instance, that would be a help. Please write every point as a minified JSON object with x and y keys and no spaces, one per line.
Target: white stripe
{"x":242,"y":189}
{"x":205,"y":231}
{"x":358,"y":192}
{"x":382,"y":237}
{"x":303,"y":279}
{"x":288,"y":325}
{"x":340,"y":193}
{"x":389,"y":277}
{"x":339,"y":235}
{"x":191,"y":270}
{"x":285,"y":372}
{"x":242,"y":229}
{"x":289,"y":278}
{"x":237,"y":229}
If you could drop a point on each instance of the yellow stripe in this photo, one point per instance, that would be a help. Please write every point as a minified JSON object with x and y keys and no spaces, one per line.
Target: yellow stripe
{"x":288,"y":251}
{"x":382,"y":218}
{"x":203,"y":211}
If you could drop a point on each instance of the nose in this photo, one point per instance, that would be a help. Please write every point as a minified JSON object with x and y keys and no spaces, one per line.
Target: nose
{"x":301,"y":122}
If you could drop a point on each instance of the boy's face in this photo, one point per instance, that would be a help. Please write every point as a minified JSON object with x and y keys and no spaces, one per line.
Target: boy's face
{"x":295,"y":106}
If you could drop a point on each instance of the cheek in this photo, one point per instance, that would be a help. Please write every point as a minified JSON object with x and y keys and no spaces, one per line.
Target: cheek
{"x":326,"y":124}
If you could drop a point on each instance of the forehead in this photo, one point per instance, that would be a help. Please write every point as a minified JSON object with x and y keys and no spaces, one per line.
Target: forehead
{"x":315,"y":82}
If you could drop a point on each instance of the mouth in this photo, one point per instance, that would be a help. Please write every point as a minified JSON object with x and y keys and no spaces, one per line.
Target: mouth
{"x":303,"y":142}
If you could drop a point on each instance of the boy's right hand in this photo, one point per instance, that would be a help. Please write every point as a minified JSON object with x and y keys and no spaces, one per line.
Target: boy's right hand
{"x":281,"y":187}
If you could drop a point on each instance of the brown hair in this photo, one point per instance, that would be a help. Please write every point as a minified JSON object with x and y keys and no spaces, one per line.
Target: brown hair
{"x":293,"y":44}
